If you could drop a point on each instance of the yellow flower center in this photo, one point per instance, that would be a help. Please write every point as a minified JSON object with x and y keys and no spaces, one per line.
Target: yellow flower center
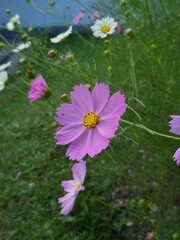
{"x":90,"y":120}
{"x":77,"y":186}
{"x":105,"y":28}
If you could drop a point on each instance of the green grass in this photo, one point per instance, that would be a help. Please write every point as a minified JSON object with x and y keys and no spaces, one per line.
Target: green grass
{"x":125,"y":182}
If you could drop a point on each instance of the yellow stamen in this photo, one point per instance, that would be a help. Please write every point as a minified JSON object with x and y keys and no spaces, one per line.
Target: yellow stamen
{"x":90,"y":120}
{"x":77,"y":186}
{"x":105,"y":29}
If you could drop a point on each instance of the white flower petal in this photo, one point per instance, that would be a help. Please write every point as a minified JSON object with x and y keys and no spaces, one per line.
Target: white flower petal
{"x":61,"y":36}
{"x":3,"y":79}
{"x":22,"y":46}
{"x":5,"y":66}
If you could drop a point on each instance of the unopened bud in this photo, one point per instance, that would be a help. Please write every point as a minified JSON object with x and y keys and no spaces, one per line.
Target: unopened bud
{"x":30,"y":29}
{"x":51,"y":53}
{"x":8,"y":11}
{"x":127,"y":13}
{"x":109,"y":69}
{"x":88,"y":86}
{"x":128,"y":32}
{"x":70,"y":57}
{"x":51,"y":3}
{"x":30,"y":74}
{"x":107,"y":52}
{"x":122,"y":3}
{"x":1,"y":45}
{"x":153,"y":46}
{"x":24,"y":35}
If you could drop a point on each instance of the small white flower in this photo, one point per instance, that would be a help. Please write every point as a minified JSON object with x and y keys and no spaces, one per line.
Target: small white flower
{"x":5,"y":66}
{"x":14,"y":21}
{"x":3,"y":79}
{"x":22,"y":46}
{"x":103,"y":27}
{"x":61,"y":36}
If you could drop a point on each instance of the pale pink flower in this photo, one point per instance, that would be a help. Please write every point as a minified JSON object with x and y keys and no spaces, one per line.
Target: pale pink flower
{"x":38,"y":89}
{"x":79,"y":17}
{"x":73,"y":187}
{"x":90,"y":120}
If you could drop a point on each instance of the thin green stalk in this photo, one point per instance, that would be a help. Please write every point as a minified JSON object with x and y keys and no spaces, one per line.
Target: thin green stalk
{"x":105,"y":203}
{"x":149,"y":130}
{"x":133,"y":74}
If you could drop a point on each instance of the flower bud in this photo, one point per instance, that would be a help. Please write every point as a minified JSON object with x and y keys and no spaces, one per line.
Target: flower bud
{"x":122,"y":3}
{"x":30,"y":74}
{"x":153,"y":46}
{"x":128,"y":32}
{"x":51,"y":3}
{"x":107,"y":52}
{"x":109,"y":69}
{"x":127,"y":13}
{"x":51,"y":53}
{"x":30,"y":29}
{"x":1,"y":45}
{"x":8,"y":11}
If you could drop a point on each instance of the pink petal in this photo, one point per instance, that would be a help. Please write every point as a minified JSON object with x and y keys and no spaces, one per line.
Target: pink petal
{"x":100,"y":96}
{"x":78,"y":148}
{"x":66,"y":197}
{"x":69,"y":133}
{"x":69,"y":114}
{"x":96,"y":143}
{"x":67,"y":203}
{"x":82,"y":99}
{"x":116,"y":106}
{"x":79,"y":171}
{"x":176,"y":156}
{"x":107,"y":127}
{"x":68,"y":185}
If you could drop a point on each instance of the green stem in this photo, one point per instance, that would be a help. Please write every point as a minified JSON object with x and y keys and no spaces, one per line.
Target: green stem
{"x":105,"y":203}
{"x":133,"y":74}
{"x":149,"y":130}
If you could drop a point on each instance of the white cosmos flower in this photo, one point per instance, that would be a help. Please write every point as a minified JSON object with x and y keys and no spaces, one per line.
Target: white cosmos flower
{"x":61,"y":36}
{"x":103,"y":27}
{"x":22,"y":46}
{"x":5,"y":66}
{"x":3,"y":79}
{"x":13,"y":22}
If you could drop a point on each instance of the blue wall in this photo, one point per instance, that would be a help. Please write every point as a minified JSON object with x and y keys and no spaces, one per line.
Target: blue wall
{"x":34,"y":16}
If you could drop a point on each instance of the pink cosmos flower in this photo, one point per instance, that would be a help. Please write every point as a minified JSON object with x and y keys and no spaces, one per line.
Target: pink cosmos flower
{"x":176,"y":156}
{"x":79,"y":17}
{"x":73,"y":187}
{"x":175,"y":124}
{"x":175,"y":128}
{"x":38,"y":89}
{"x":90,"y":120}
